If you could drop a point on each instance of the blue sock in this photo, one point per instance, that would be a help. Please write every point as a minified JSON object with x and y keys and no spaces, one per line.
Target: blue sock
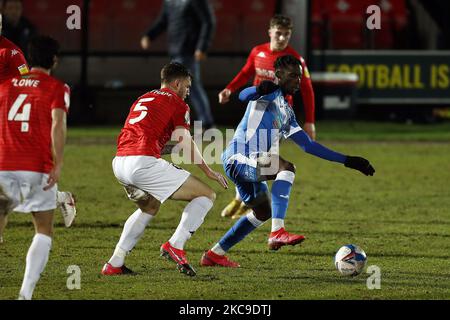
{"x":239,"y":231}
{"x":281,"y":190}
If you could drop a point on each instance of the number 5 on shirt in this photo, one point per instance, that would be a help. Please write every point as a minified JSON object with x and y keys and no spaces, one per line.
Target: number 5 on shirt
{"x":142,"y":108}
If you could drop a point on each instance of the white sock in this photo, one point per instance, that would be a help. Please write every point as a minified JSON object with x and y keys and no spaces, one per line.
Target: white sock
{"x":277,"y":224}
{"x":238,"y":196}
{"x":132,"y":231}
{"x":217,"y":249}
{"x":191,"y":219}
{"x":37,"y":258}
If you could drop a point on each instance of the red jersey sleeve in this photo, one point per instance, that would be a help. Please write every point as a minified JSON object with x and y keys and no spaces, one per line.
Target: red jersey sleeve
{"x":246,"y":73}
{"x":18,"y":64}
{"x":12,"y":61}
{"x":307,"y":93}
{"x":61,"y":98}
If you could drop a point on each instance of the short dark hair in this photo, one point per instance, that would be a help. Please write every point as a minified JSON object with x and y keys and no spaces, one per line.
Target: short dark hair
{"x":173,"y":71}
{"x":285,"y":61}
{"x":42,"y":51}
{"x":281,"y":21}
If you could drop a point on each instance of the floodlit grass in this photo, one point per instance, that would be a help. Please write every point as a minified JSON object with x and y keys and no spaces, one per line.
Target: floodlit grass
{"x":400,"y":217}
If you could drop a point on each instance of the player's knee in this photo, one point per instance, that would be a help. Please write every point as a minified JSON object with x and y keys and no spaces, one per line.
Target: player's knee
{"x":5,"y":204}
{"x":149,"y":206}
{"x":288,"y":166}
{"x":262,"y":216}
{"x":261,"y":208}
{"x":151,"y":210}
{"x":211,"y":195}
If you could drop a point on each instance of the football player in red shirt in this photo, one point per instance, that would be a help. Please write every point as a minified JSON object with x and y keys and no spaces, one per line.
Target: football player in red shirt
{"x":260,"y":66}
{"x":13,"y":64}
{"x":149,"y":180}
{"x":12,"y":60}
{"x":32,"y":136}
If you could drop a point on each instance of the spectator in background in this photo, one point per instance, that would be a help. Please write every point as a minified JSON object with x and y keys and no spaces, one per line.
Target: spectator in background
{"x":190,"y":27}
{"x":16,"y":27}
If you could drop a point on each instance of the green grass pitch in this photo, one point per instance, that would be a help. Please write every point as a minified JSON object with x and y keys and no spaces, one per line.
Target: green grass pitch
{"x":400,"y":217}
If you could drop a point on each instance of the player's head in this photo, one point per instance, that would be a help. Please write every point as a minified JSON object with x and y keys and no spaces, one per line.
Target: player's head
{"x":43,"y":52}
{"x":280,"y":31}
{"x":176,"y":77}
{"x":12,"y":10}
{"x":288,"y":71}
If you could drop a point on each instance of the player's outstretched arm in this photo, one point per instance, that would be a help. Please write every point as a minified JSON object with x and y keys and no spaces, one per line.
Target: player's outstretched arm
{"x":58,"y":134}
{"x":188,"y":145}
{"x":247,"y":72}
{"x":360,"y":164}
{"x":224,"y":96}
{"x":318,"y":150}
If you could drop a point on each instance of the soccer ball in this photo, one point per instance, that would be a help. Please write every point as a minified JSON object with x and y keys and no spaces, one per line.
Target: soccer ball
{"x":350,"y":260}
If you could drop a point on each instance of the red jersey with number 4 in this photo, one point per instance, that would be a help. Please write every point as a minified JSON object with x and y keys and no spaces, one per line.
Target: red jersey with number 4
{"x":26,"y":105}
{"x":151,"y":122}
{"x":12,"y":61}
{"x":259,"y":66}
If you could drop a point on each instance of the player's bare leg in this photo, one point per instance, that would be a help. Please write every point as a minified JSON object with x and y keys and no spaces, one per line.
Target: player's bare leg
{"x":132,"y":231}
{"x":38,"y":252}
{"x":5,"y":204}
{"x":193,"y":188}
{"x":201,"y":198}
{"x":3,"y":223}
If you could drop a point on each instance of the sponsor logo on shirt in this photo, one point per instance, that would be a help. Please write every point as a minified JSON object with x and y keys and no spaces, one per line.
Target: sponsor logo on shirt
{"x":261,"y":54}
{"x":270,"y":74}
{"x":14,"y":52}
{"x":23,"y":69}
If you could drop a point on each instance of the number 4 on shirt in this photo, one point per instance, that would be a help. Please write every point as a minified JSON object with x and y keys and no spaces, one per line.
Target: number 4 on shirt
{"x":24,"y":116}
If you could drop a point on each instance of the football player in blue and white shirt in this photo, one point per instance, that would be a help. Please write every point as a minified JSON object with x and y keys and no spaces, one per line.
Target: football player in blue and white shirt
{"x":251,"y":159}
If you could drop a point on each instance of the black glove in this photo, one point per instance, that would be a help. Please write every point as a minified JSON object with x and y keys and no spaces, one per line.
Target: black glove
{"x":266,"y":87}
{"x":360,"y":164}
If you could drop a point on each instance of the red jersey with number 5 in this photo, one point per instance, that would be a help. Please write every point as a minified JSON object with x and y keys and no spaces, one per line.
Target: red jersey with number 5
{"x":26,"y":105}
{"x":151,"y":122}
{"x":12,"y":61}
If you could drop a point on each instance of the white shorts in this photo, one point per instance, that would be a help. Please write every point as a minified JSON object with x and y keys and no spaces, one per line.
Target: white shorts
{"x":25,"y":189}
{"x":155,"y":176}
